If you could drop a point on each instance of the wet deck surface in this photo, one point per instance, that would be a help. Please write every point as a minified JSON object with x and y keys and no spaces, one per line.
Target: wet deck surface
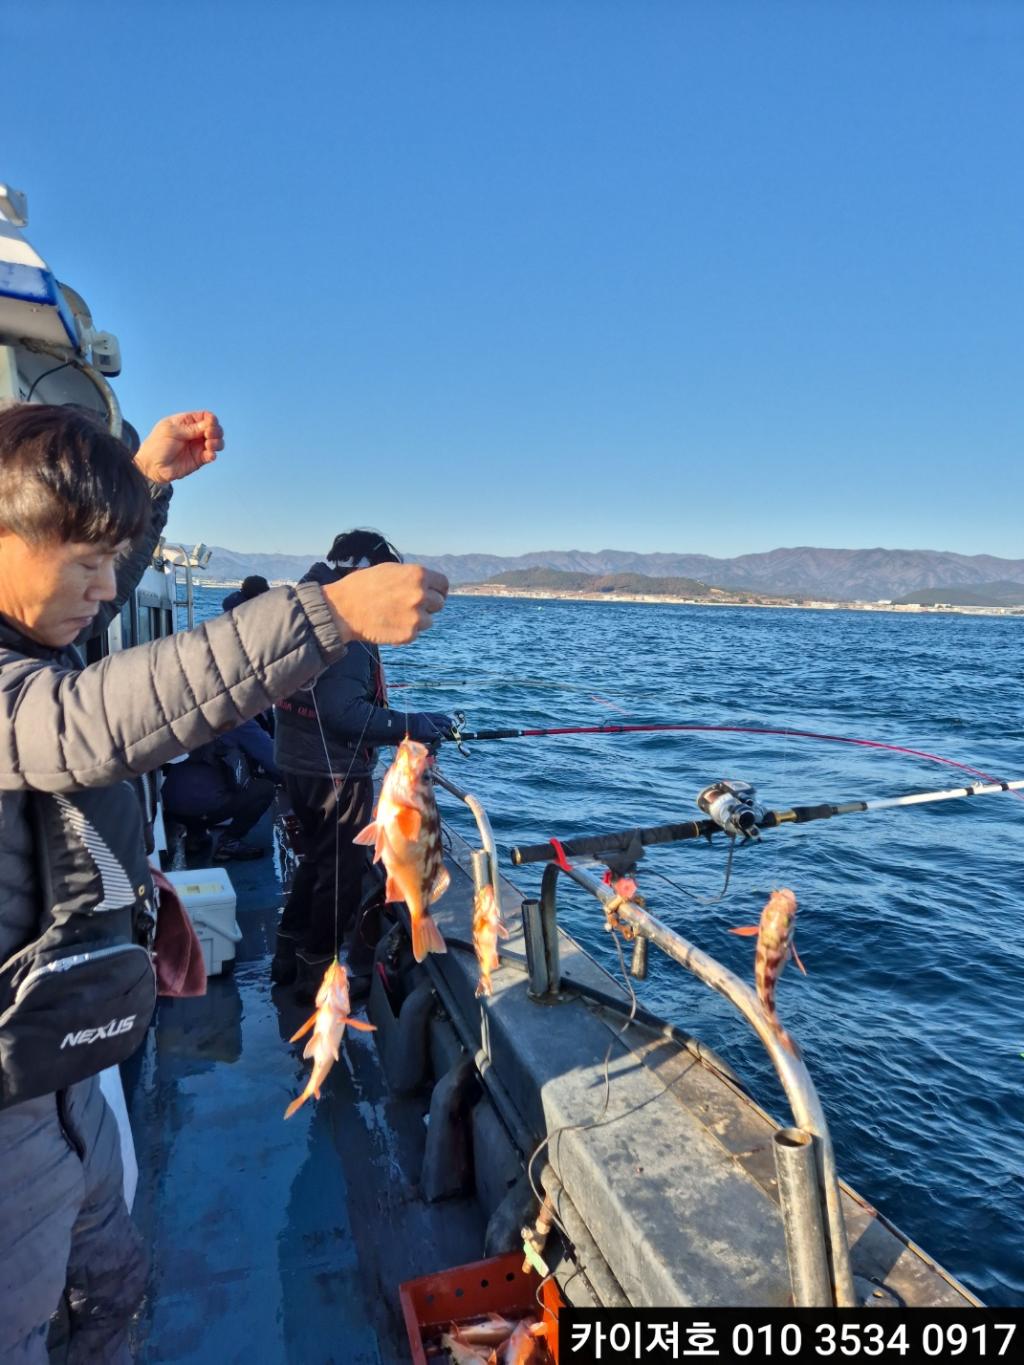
{"x":275,"y":1241}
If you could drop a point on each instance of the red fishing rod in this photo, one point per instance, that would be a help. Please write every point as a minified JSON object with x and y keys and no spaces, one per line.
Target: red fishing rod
{"x":460,"y":735}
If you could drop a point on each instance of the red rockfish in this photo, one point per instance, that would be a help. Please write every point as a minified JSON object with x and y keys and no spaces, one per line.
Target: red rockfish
{"x":328,"y":1025}
{"x":775,"y":947}
{"x":406,"y":835}
{"x":487,"y":929}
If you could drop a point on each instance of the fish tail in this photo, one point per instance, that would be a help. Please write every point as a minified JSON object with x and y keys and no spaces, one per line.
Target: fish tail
{"x":483,"y":986}
{"x":426,"y":937}
{"x":297,"y":1103}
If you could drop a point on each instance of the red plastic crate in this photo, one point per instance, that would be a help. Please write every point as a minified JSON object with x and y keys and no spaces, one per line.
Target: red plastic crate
{"x":498,"y":1285}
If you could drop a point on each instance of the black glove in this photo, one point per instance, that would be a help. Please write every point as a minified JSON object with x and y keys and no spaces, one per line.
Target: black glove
{"x":428,"y":726}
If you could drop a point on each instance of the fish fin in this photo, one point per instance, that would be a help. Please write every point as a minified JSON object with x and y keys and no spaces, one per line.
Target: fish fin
{"x":410,"y":822}
{"x":440,"y":886}
{"x":502,"y":931}
{"x":305,"y":1027}
{"x":393,"y":892}
{"x":367,"y":835}
{"x":747,"y":930}
{"x":796,"y":958}
{"x":361,"y":1024}
{"x":297,"y":1103}
{"x":426,"y":937}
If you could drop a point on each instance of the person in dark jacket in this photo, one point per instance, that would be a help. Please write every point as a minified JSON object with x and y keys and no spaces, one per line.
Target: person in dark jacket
{"x":253,"y":586}
{"x":326,"y":742}
{"x":78,"y":524}
{"x":231,"y":779}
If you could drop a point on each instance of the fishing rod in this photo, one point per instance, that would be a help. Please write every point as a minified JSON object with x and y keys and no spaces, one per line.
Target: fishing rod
{"x":460,"y":736}
{"x":730,"y":819}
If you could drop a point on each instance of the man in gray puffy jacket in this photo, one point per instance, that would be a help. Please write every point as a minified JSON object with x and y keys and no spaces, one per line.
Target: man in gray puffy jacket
{"x":78,"y":522}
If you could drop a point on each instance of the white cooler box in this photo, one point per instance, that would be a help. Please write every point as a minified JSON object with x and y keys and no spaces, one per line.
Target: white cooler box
{"x":209,"y":898}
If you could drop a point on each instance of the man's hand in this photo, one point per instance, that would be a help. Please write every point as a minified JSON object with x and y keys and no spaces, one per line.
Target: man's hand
{"x":389,"y":604}
{"x":179,"y":445}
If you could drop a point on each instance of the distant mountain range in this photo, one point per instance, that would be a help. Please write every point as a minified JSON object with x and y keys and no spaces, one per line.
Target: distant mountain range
{"x":846,"y":575}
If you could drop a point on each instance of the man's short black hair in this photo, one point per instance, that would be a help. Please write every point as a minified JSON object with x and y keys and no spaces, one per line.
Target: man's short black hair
{"x":64,"y":477}
{"x":352,"y":546}
{"x":253,"y":586}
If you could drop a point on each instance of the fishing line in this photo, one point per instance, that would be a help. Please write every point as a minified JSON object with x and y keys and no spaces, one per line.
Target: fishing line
{"x":537,"y":733}
{"x":701,"y":900}
{"x":337,"y":798}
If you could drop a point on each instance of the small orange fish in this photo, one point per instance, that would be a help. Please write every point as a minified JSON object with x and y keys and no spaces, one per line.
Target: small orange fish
{"x":328,"y":1025}
{"x":406,"y":834}
{"x":526,"y":1345}
{"x":491,"y":1332}
{"x":462,"y":1352}
{"x":487,"y":929}
{"x":775,"y":947}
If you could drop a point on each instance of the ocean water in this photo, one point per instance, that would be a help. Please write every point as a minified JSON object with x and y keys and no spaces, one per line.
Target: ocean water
{"x":911,"y":922}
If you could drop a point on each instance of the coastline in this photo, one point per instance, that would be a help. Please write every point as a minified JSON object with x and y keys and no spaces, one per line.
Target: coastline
{"x":717,"y":598}
{"x":495,"y":590}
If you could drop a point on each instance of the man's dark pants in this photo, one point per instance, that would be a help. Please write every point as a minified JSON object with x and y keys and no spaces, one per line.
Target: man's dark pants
{"x":315,"y":916}
{"x":243,"y":808}
{"x":65,"y":1230}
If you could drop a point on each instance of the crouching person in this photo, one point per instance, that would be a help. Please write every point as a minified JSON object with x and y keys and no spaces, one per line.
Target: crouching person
{"x":78,"y":523}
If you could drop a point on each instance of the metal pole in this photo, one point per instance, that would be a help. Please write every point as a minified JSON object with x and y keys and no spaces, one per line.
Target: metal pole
{"x":796,"y":1168}
{"x":796,"y":1081}
{"x":482,"y":824}
{"x":536,"y":958}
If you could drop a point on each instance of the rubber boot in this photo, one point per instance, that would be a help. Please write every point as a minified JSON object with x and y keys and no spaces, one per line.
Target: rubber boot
{"x":309,"y":973}
{"x":282,"y":964}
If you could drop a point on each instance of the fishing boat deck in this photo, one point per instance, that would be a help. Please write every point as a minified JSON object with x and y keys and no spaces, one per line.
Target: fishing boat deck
{"x":287,"y":1241}
{"x":276,"y":1241}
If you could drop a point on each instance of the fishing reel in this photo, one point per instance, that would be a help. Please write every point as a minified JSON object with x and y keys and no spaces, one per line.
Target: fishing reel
{"x":458,"y":725}
{"x":732,"y":806}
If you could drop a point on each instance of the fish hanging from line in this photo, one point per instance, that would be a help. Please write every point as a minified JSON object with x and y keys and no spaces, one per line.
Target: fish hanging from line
{"x":487,"y":929}
{"x":328,"y":1025}
{"x":406,"y":835}
{"x":775,"y":946}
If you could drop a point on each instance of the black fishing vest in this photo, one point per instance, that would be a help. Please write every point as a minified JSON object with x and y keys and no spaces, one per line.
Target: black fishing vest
{"x":80,"y":996}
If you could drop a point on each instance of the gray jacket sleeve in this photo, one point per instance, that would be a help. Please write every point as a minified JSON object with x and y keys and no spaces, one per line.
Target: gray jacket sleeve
{"x":63,"y":728}
{"x":135,"y":561}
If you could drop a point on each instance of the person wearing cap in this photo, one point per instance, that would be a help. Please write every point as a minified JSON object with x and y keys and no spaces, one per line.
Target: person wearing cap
{"x":326,"y":740}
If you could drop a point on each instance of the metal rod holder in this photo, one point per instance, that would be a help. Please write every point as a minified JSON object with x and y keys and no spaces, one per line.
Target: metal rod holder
{"x":539,"y":987}
{"x":638,"y":966}
{"x":796,"y":1165}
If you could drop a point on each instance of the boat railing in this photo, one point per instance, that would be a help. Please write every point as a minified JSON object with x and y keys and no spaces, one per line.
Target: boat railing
{"x":809,"y":1194}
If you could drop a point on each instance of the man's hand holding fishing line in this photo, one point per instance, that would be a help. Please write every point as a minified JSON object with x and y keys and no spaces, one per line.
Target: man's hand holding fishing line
{"x":389,"y":604}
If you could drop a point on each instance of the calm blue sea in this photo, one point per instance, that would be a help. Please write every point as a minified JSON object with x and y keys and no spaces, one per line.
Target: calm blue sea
{"x":911,"y":922}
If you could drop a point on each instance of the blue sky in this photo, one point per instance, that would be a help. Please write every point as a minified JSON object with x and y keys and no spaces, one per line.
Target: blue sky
{"x":709,"y":277}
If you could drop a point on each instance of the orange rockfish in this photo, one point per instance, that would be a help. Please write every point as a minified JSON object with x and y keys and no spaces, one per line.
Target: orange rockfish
{"x":487,"y":929}
{"x":328,"y":1025}
{"x":406,"y":835}
{"x":775,"y":947}
{"x":463,"y":1352}
{"x":526,"y":1344}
